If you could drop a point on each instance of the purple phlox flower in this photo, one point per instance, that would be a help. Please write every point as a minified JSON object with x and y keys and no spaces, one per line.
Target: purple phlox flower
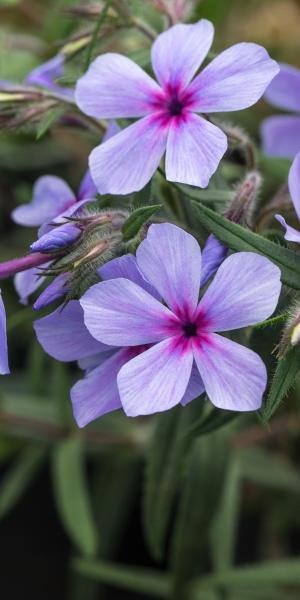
{"x":281,"y":133}
{"x":291,"y":234}
{"x":4,"y":368}
{"x":97,"y":393}
{"x":115,"y":87}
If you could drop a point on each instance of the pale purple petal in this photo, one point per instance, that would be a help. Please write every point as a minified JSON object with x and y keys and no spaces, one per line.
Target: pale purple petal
{"x":126,"y":266}
{"x":170,"y":259}
{"x":97,"y":394}
{"x":234,"y":80}
{"x":58,"y":288}
{"x":281,"y":136}
{"x":87,"y":187}
{"x":195,"y":387}
{"x":244,"y":291}
{"x":114,"y":86}
{"x":51,"y":196}
{"x":120,"y":313}
{"x":73,"y":210}
{"x":57,"y":238}
{"x":4,"y":368}
{"x":88,"y":363}
{"x":64,"y":336}
{"x":45,"y":74}
{"x":127,"y":161}
{"x":178,"y":52}
{"x":291,"y":234}
{"x":284,"y":91}
{"x":194,"y":150}
{"x":27,"y":282}
{"x":234,"y":376}
{"x":294,"y":183}
{"x":157,"y":379}
{"x":213,"y":254}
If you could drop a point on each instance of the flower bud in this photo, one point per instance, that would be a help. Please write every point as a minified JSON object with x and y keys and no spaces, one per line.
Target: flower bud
{"x":56,"y":290}
{"x":241,"y":209}
{"x":291,"y":333}
{"x":57,"y":238}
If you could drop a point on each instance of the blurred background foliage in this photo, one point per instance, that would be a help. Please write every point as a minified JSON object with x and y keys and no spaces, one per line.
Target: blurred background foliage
{"x":189,"y":504}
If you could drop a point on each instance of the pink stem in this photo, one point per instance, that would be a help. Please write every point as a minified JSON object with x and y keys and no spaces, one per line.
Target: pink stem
{"x":11,"y":267}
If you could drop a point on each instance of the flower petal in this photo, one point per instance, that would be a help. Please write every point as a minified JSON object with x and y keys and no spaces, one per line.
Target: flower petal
{"x":120,"y":313}
{"x":45,"y":74}
{"x":127,"y":161}
{"x":244,"y":291}
{"x":126,"y":266}
{"x":178,"y":52}
{"x":284,"y":91}
{"x":157,"y":379}
{"x":4,"y":368}
{"x":194,"y":150}
{"x":213,"y":254}
{"x":58,"y":288}
{"x":291,"y":234}
{"x":281,"y":136}
{"x":51,"y":196}
{"x":294,"y":183}
{"x":27,"y":282}
{"x":195,"y":387}
{"x":234,"y":80}
{"x":234,"y":376}
{"x":170,"y":259}
{"x":114,"y":86}
{"x":64,"y":336}
{"x":98,"y":394}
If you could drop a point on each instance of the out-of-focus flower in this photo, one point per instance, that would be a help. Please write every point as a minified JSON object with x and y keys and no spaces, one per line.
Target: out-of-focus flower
{"x":176,"y":10}
{"x":102,"y":363}
{"x":291,"y":234}
{"x":281,"y":133}
{"x":4,"y":368}
{"x":115,"y":87}
{"x":45,"y":75}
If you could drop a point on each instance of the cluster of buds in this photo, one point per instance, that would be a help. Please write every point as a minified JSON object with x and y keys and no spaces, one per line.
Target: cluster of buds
{"x":21,"y":105}
{"x":175,"y":10}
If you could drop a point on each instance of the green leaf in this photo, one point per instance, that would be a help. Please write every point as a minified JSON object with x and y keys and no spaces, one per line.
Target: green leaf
{"x":47,"y":121}
{"x":19,"y":476}
{"x":143,"y":197}
{"x":71,"y":495}
{"x":144,"y":581}
{"x":242,"y":239}
{"x":265,"y":468}
{"x":137,"y":219}
{"x":164,"y":470}
{"x":212,"y":196}
{"x":286,"y":372}
{"x":200,"y":500}
{"x":215,"y":419}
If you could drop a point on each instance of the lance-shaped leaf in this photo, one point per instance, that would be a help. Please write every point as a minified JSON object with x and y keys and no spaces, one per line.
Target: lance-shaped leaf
{"x":71,"y":494}
{"x":286,"y":372}
{"x":137,"y":219}
{"x":242,"y":239}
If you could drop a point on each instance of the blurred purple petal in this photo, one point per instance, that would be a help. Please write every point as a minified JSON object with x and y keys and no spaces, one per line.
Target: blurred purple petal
{"x":55,"y":290}
{"x":64,"y":336}
{"x":98,"y":394}
{"x":194,"y":150}
{"x":234,"y":376}
{"x":113,"y":87}
{"x":195,"y":387}
{"x":120,"y":313}
{"x":27,"y":282}
{"x":57,"y":238}
{"x":87,"y":187}
{"x":291,"y":234}
{"x":284,"y":91}
{"x":45,"y":74}
{"x":281,"y":136}
{"x":213,"y":254}
{"x":127,"y":161}
{"x":170,"y":259}
{"x":294,"y":183}
{"x":234,"y":80}
{"x":4,"y":368}
{"x":178,"y":52}
{"x":155,"y":380}
{"x":51,"y":196}
{"x":244,"y":291}
{"x":126,"y":266}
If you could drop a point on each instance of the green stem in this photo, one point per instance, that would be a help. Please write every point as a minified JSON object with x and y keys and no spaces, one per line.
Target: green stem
{"x":273,"y":321}
{"x":100,"y":22}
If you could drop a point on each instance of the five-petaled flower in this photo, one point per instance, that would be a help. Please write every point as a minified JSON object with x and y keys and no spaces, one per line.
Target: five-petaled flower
{"x":281,"y":133}
{"x":115,"y":87}
{"x":165,"y":353}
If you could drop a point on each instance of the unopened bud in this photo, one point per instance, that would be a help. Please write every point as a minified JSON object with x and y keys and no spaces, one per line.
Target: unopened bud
{"x":291,"y":333}
{"x":56,"y":289}
{"x":241,"y":209}
{"x":56,"y":239}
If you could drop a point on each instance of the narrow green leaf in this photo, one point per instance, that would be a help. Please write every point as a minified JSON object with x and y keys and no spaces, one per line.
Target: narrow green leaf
{"x":143,"y":197}
{"x":215,"y":419}
{"x":200,"y":500}
{"x":137,"y":219}
{"x":144,"y":581}
{"x":71,"y":495}
{"x":47,"y":121}
{"x":164,"y":471}
{"x":19,"y":476}
{"x":263,"y":467}
{"x":242,"y":239}
{"x":286,"y":372}
{"x":211,"y":196}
